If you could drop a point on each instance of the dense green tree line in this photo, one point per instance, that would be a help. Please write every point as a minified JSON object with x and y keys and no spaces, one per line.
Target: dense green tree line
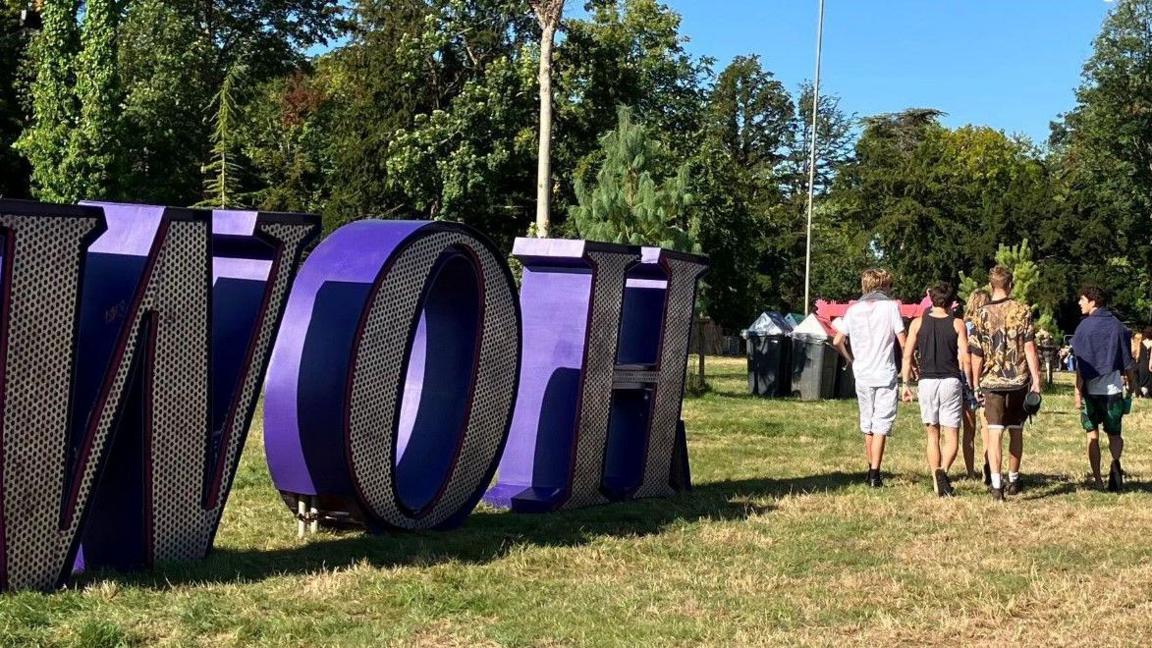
{"x":14,"y":171}
{"x":429,"y":109}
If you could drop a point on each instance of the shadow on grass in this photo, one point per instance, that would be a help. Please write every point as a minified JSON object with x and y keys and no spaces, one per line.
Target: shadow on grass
{"x":1042,"y":485}
{"x":485,"y":537}
{"x":1038,"y":486}
{"x":745,"y":396}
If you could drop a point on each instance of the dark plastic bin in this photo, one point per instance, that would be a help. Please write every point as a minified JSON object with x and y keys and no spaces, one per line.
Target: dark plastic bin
{"x":768,"y":373}
{"x":814,"y":367}
{"x":845,"y":379}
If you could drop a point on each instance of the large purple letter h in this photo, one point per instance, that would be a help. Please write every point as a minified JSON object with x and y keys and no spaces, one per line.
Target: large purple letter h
{"x":605,"y":342}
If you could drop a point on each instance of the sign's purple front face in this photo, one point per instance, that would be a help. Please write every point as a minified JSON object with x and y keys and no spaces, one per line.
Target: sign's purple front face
{"x":134,"y":340}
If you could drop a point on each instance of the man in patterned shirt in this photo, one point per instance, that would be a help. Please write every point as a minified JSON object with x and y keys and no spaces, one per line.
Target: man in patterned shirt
{"x":1003,"y":348}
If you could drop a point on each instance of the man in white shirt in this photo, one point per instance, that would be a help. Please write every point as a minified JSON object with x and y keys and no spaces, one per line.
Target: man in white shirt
{"x":873,"y":325}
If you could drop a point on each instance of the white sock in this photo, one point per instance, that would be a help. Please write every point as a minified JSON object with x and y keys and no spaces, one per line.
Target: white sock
{"x":996,"y":483}
{"x":1013,"y":476}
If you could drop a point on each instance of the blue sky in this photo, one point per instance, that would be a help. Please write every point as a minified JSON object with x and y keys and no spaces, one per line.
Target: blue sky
{"x":1009,"y":64}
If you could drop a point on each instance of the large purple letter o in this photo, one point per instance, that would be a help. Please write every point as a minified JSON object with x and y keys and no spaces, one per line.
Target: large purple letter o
{"x":391,"y":386}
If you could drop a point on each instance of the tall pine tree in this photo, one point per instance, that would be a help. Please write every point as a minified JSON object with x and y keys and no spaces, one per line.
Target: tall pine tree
{"x":634,"y":200}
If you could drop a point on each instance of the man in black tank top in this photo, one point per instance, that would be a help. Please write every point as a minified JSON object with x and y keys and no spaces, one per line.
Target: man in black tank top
{"x":939,"y":348}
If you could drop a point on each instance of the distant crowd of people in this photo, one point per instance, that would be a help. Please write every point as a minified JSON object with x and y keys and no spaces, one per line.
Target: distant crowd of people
{"x":978,"y":368}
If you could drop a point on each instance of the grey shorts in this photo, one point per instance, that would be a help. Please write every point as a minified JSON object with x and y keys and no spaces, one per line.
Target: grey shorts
{"x":941,"y":401}
{"x":877,"y":408}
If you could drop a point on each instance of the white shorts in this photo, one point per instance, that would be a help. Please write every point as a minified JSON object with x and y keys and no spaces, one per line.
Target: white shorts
{"x":877,"y":408}
{"x":941,"y":401}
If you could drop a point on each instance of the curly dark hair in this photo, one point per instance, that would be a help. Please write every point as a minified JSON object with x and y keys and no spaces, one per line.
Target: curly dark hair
{"x":942,"y":295}
{"x":1094,"y":293}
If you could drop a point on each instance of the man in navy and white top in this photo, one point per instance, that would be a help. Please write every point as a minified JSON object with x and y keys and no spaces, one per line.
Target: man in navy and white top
{"x":1102,"y":345}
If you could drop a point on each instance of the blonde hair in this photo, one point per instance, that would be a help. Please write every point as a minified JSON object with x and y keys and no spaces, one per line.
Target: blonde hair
{"x":1000,"y":278}
{"x":874,"y":279}
{"x":976,"y":300}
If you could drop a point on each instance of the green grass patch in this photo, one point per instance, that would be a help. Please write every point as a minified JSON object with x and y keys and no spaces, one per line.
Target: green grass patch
{"x":780,"y":543}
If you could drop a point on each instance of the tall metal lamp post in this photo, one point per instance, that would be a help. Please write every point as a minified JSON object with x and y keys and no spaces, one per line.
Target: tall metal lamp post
{"x":812,"y":162}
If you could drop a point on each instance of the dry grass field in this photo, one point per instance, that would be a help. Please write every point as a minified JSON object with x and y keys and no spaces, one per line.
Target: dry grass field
{"x":780,"y":543}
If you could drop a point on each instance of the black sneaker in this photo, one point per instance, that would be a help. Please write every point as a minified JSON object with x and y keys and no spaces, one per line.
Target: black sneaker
{"x":874,"y":479}
{"x":987,"y":474}
{"x":940,"y":483}
{"x":1014,"y":488}
{"x":997,"y":494}
{"x":1115,"y":477}
{"x":948,"y":490}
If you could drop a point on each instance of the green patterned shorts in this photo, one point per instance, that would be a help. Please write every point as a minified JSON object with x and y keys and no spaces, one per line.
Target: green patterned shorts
{"x":1106,"y":411}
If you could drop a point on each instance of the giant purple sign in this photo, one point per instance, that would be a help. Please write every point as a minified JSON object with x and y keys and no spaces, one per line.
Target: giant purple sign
{"x":403,"y":373}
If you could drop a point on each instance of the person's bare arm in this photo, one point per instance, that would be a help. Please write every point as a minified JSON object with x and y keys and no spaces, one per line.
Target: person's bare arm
{"x":1078,"y":400}
{"x":962,"y":340}
{"x":1130,"y":377}
{"x":1033,"y":364}
{"x":976,"y":358}
{"x":838,"y":342}
{"x":906,"y":365}
{"x":977,"y":369}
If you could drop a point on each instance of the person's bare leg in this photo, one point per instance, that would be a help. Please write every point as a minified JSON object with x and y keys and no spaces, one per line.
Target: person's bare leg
{"x":949,"y":448}
{"x":1094,"y":456}
{"x":878,"y":450}
{"x":1015,"y":448}
{"x":932,"y":446}
{"x":868,"y":449}
{"x":994,"y":448}
{"x":982,"y":421}
{"x":1116,"y":446}
{"x":969,"y":443}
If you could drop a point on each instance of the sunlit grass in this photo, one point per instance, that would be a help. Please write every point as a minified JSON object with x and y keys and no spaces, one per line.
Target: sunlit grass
{"x":780,"y":544}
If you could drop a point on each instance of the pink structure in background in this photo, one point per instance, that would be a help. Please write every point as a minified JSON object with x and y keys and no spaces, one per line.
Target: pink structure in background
{"x":831,"y":310}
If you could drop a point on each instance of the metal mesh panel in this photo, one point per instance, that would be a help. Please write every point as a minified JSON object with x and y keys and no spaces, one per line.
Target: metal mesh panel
{"x":611,"y":272}
{"x":291,"y":239}
{"x":176,"y":302}
{"x":182,"y":528}
{"x":375,"y":395}
{"x":179,"y":292}
{"x":45,"y":284}
{"x":667,"y":401}
{"x":178,"y":296}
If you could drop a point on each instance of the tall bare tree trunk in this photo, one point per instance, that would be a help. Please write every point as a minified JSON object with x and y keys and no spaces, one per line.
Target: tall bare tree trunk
{"x":548,"y":13}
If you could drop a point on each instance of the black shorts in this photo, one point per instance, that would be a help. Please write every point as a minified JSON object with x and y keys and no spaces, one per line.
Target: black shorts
{"x":1005,"y":409}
